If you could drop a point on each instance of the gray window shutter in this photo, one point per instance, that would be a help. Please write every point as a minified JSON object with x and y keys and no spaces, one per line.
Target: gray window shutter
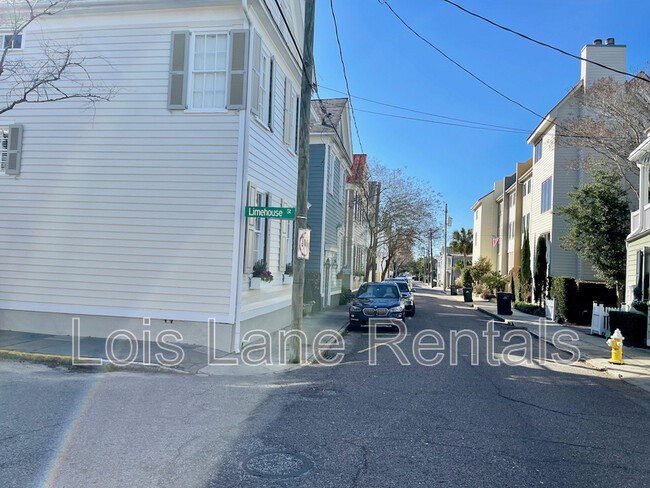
{"x":249,"y":259}
{"x":14,"y":149}
{"x":287,"y":111}
{"x":257,"y":54}
{"x":180,"y":49}
{"x":271,"y":91}
{"x":238,"y":64}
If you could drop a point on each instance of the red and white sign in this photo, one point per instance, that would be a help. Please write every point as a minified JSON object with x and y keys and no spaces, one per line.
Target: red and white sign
{"x":303,"y":243}
{"x":495,"y":241}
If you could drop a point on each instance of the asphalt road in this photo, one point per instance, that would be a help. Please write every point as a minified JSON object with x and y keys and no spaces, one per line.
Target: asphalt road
{"x":351,"y":425}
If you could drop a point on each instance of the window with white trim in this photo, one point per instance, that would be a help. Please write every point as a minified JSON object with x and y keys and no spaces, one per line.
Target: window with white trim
{"x":330,"y":174}
{"x":259,"y":237}
{"x":291,"y":115}
{"x":538,"y":151}
{"x":7,"y":42}
{"x":209,"y":70}
{"x":265,"y":109}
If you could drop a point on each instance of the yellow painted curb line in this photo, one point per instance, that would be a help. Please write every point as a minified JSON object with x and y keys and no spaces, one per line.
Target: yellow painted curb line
{"x":38,"y":357}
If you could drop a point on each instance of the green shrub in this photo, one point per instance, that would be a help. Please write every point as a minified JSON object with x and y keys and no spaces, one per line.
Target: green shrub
{"x":529,"y":308}
{"x":494,"y":281}
{"x":640,"y":307}
{"x":565,"y":293}
{"x":633,"y":325}
{"x":480,"y":268}
{"x":346,"y":296}
{"x":466,"y":276}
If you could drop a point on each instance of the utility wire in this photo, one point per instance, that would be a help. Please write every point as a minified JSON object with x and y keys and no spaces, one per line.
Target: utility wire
{"x":543,"y":118}
{"x":511,"y":131}
{"x":385,"y":2}
{"x":314,"y":84}
{"x":345,"y":75}
{"x":543,"y":43}
{"x":424,"y":113}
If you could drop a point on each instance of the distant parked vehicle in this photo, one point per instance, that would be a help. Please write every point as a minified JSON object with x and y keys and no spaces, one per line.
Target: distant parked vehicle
{"x":407,"y":296}
{"x":402,"y":279}
{"x":376,"y":300}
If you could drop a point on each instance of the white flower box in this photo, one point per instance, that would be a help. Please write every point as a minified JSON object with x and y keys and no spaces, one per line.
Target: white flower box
{"x":287,"y":279}
{"x":258,"y":284}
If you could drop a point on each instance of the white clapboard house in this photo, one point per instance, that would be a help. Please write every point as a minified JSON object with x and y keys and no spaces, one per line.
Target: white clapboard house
{"x":134,"y":208}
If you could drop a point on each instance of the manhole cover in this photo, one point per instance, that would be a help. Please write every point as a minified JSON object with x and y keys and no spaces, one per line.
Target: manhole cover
{"x":277,"y":465}
{"x":318,"y":393}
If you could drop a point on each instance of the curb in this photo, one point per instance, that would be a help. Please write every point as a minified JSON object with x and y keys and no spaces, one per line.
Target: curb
{"x":311,"y":360}
{"x":55,"y":360}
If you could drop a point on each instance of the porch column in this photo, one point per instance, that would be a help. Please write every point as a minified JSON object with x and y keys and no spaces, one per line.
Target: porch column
{"x":643,"y":191}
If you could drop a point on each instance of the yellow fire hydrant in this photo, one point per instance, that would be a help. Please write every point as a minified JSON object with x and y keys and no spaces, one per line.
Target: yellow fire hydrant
{"x":616,"y":343}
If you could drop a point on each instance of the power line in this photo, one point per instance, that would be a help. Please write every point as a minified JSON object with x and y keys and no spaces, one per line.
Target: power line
{"x":511,"y":131}
{"x":345,"y":75}
{"x":314,"y":85}
{"x":424,"y":113}
{"x":543,"y":118}
{"x":385,"y":2}
{"x":543,"y":43}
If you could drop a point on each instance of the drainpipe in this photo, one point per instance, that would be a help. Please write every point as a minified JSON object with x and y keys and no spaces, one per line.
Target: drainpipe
{"x":240,"y":254}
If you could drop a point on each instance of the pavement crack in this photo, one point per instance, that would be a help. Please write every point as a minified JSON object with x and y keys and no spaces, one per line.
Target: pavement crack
{"x":362,"y":468}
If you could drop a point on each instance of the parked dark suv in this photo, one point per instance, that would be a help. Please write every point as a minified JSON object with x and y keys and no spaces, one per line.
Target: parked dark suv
{"x":407,"y":296}
{"x":376,"y":300}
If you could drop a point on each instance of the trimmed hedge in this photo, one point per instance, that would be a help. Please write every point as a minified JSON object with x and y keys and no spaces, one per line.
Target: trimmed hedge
{"x":633,"y":325}
{"x":590,"y":292}
{"x":529,"y":308}
{"x":565,"y":292}
{"x":574,"y":299}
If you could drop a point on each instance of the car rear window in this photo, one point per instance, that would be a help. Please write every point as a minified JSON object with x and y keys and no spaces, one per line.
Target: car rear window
{"x":403,"y":287}
{"x":378,"y":291}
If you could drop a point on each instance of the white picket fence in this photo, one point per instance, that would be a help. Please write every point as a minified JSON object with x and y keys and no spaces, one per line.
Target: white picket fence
{"x":600,"y":318}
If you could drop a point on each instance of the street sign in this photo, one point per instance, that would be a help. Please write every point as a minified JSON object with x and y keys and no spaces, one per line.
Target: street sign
{"x":271,"y":212}
{"x":303,"y":243}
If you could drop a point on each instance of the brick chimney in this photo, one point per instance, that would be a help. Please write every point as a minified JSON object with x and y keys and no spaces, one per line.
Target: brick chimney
{"x":610,"y":54}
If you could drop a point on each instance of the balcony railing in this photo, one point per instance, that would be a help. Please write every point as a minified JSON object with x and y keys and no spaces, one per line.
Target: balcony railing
{"x":635,"y":220}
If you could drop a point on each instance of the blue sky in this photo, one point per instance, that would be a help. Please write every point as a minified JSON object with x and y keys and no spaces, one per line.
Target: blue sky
{"x":388,"y":63}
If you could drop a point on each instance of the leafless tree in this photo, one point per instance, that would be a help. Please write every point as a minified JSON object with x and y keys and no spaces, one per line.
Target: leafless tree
{"x":55,"y":74}
{"x":610,"y":121}
{"x":398,"y":210}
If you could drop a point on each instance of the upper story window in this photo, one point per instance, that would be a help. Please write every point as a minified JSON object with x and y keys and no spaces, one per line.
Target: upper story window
{"x":547,"y":194}
{"x":538,"y":151}
{"x":209,"y":71}
{"x":264,"y":110}
{"x":341,"y":183}
{"x":291,"y":115}
{"x":10,"y":149}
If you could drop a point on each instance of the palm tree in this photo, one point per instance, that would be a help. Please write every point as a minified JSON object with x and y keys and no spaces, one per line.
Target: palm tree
{"x":462,"y":243}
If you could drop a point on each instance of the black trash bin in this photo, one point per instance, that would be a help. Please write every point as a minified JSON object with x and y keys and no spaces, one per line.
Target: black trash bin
{"x":504,"y":301}
{"x":454,"y":289}
{"x":467,"y":294}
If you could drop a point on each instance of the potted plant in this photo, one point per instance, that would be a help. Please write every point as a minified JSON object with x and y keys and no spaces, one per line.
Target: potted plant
{"x":287,"y":277}
{"x":262,"y":277}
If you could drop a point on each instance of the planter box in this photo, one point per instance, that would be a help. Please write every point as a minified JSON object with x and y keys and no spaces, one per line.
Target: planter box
{"x":258,"y":284}
{"x":287,"y":279}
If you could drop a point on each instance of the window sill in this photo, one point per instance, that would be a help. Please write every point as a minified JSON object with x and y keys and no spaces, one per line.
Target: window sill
{"x":205,"y":111}
{"x":262,"y":124}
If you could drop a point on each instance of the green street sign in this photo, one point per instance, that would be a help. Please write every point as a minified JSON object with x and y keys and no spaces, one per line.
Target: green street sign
{"x":271,"y":212}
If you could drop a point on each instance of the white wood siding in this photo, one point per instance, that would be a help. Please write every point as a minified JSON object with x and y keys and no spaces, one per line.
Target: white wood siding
{"x":125,"y":205}
{"x":273,"y":168}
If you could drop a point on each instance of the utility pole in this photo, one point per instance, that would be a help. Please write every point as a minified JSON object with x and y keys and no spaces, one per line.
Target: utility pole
{"x":430,"y":249}
{"x":298,"y":289}
{"x":444,"y":257}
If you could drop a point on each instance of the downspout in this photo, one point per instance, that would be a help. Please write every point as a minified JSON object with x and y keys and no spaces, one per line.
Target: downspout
{"x":243,"y":189}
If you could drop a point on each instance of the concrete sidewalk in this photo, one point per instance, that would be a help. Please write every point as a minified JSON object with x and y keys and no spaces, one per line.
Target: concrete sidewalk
{"x":58,"y":350}
{"x":593,"y":349}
